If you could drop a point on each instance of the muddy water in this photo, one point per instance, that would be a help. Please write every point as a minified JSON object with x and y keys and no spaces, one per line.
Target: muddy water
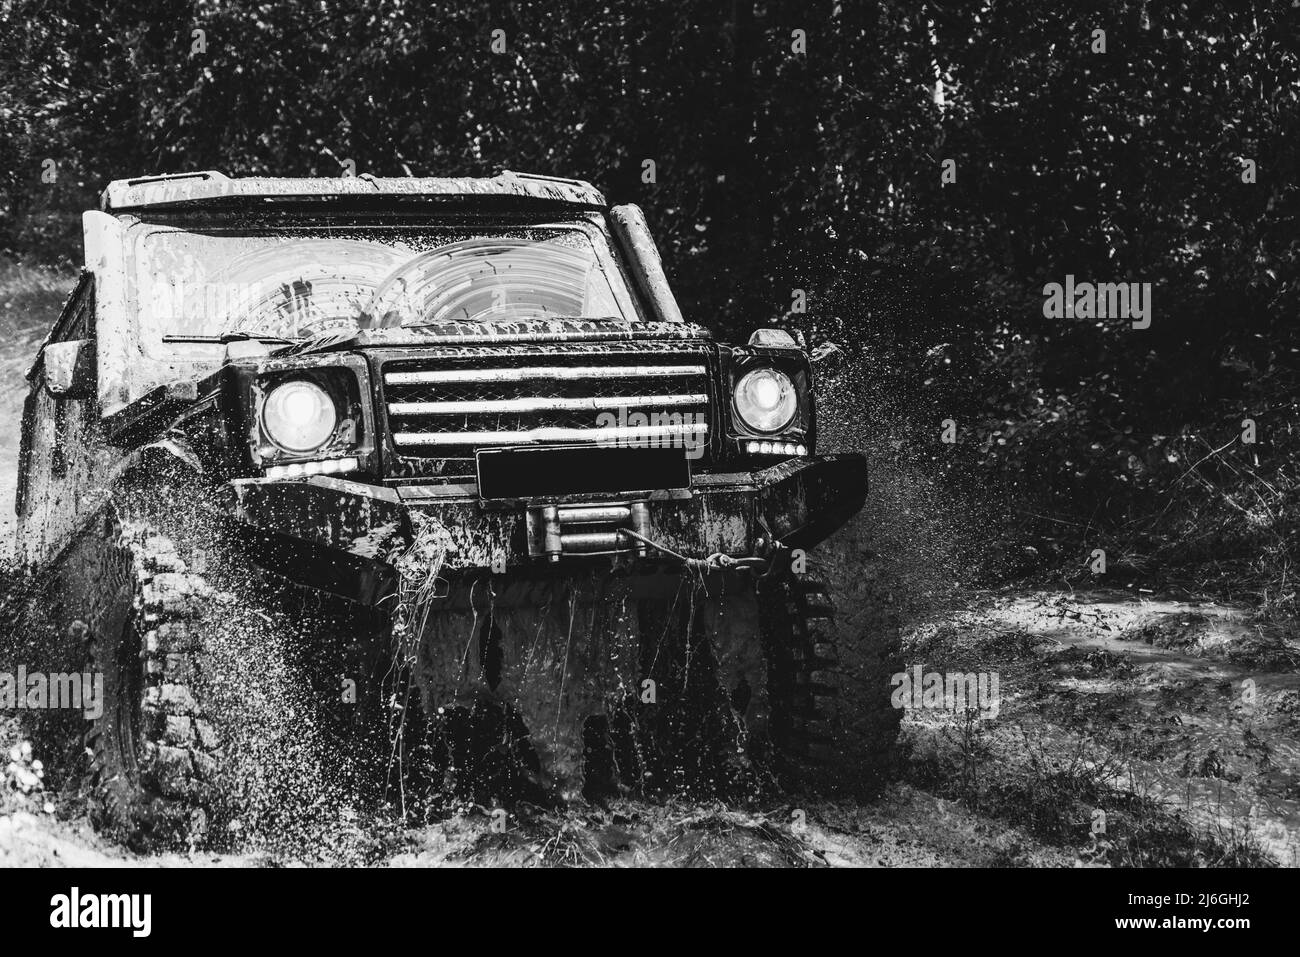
{"x":1164,"y":720}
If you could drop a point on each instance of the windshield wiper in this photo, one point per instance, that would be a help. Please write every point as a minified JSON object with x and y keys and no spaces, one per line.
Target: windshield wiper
{"x":226,"y":337}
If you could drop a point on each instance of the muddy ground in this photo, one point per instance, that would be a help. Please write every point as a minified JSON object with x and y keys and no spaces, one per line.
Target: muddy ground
{"x":1130,"y":729}
{"x":1128,"y":732}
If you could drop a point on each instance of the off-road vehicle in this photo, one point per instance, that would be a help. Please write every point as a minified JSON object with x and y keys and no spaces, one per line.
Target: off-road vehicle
{"x":450,"y":446}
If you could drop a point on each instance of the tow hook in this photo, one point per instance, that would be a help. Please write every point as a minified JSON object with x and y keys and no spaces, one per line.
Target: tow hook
{"x":777,"y":562}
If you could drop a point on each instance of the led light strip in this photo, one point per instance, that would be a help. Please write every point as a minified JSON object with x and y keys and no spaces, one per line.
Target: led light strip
{"x":775,"y":448}
{"x":303,"y":469}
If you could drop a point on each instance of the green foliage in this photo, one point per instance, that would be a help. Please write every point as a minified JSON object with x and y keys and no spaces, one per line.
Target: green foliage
{"x":818,"y":171}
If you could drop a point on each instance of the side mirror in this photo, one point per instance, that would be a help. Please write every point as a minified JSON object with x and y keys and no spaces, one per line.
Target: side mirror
{"x":68,"y":368}
{"x":827,"y":358}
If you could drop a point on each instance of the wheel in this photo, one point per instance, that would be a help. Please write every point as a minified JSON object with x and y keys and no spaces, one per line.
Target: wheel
{"x":216,"y":714}
{"x":832,"y":724}
{"x":153,"y":747}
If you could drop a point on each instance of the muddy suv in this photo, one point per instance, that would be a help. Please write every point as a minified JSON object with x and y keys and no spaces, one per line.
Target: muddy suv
{"x":448,"y":446}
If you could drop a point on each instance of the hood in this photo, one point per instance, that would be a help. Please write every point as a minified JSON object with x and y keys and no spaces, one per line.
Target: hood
{"x":501,"y":332}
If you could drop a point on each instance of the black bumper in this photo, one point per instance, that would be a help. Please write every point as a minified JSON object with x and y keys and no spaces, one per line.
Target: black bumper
{"x":337,"y":535}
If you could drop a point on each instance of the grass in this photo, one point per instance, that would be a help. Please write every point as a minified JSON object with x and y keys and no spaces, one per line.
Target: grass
{"x":1055,"y":796}
{"x":31,"y":298}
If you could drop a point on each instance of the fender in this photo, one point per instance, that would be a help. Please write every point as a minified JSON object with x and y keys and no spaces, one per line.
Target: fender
{"x":167,"y":456}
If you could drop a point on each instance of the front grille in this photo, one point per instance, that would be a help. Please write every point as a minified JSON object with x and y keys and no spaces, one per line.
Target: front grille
{"x":450,"y":406}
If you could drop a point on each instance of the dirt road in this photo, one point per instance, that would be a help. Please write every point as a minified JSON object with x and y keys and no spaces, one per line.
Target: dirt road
{"x":1126,"y":732}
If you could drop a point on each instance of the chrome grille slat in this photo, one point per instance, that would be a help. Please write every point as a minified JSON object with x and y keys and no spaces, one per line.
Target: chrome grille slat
{"x":525,"y":373}
{"x":444,"y":408}
{"x":585,"y":403}
{"x":549,"y":434}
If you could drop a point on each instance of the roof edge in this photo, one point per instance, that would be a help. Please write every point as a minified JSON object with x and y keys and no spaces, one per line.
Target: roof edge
{"x":171,"y":189}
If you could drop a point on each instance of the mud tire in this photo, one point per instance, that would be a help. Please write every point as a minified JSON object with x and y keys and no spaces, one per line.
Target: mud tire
{"x":153,"y":750}
{"x":833,"y":726}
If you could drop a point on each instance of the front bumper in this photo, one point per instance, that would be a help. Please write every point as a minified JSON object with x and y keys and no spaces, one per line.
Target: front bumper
{"x":339,"y":535}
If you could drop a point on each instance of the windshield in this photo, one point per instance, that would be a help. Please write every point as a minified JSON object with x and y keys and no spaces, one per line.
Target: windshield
{"x":293,"y":284}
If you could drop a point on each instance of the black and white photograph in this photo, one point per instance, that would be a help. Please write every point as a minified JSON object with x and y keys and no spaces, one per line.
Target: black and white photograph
{"x":614,"y":434}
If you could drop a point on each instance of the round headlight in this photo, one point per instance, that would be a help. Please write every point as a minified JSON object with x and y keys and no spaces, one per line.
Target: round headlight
{"x":766,"y":400}
{"x":299,"y":416}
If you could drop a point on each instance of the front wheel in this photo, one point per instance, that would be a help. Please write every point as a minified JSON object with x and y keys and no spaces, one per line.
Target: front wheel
{"x":214,"y":722}
{"x":153,"y":747}
{"x":833,"y":724}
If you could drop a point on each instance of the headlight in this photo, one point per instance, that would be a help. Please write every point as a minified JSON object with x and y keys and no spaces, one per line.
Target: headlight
{"x":766,"y":400}
{"x":299,"y":416}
